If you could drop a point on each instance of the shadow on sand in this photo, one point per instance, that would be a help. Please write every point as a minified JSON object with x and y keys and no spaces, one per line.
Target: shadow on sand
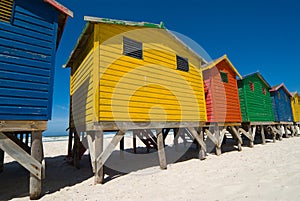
{"x":60,"y":174}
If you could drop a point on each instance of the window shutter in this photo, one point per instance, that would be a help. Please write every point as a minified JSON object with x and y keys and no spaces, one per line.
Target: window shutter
{"x":6,"y":7}
{"x":182,"y":64}
{"x":132,"y":48}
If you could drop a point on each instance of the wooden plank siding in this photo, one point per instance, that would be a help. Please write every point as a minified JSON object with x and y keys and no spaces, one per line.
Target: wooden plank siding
{"x":107,"y":86}
{"x":255,"y":105}
{"x":81,"y":86}
{"x":222,"y":99}
{"x":27,"y":59}
{"x":150,"y":89}
{"x":295,"y":102}
{"x":281,"y":102}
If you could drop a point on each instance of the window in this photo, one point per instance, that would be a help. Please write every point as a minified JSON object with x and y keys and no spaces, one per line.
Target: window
{"x":132,"y":48}
{"x":264,"y":91}
{"x":224,"y":76}
{"x":182,"y":64}
{"x":279,"y":95}
{"x":251,"y":85}
{"x":6,"y":9}
{"x":286,"y":98}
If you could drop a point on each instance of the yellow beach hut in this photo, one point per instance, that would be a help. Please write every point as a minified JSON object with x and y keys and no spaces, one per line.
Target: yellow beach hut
{"x":133,"y":76}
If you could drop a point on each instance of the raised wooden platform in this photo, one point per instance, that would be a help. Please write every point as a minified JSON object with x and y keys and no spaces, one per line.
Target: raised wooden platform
{"x":17,"y":149}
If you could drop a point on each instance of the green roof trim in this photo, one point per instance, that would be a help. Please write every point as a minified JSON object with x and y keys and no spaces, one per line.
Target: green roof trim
{"x":122,"y":22}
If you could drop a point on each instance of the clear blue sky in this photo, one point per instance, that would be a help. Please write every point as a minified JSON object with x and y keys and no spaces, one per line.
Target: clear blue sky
{"x":256,"y":35}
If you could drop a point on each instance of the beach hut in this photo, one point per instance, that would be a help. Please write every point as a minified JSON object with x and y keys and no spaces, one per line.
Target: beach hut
{"x":222,"y":98}
{"x":30,"y":34}
{"x":256,"y":105}
{"x":132,"y":76}
{"x":295,"y":102}
{"x":281,"y":101}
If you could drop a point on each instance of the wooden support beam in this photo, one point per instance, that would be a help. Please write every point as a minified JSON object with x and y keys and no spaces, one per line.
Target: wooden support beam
{"x":35,"y":188}
{"x":104,"y":155}
{"x":21,"y":156}
{"x":217,"y":136}
{"x":122,"y":147}
{"x":76,"y":150}
{"x":1,"y":160}
{"x":202,"y":151}
{"x":234,"y":132}
{"x":91,"y":146}
{"x":161,"y":149}
{"x":248,"y":135}
{"x":176,"y":136}
{"x":134,"y":134}
{"x":273,"y":131}
{"x":70,"y":142}
{"x":199,"y":139}
{"x":98,"y":152}
{"x":286,"y":131}
{"x":262,"y":132}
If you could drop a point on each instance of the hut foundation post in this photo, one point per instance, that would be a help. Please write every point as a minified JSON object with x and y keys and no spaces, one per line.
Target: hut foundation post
{"x":1,"y":160}
{"x":102,"y":155}
{"x":161,"y":149}
{"x":70,"y":141}
{"x":293,"y":130}
{"x":262,"y":132}
{"x":252,"y":131}
{"x":202,"y":151}
{"x":273,"y":132}
{"x":235,"y":133}
{"x":280,"y":133}
{"x":122,"y":147}
{"x":99,"y":173}
{"x":218,"y":144}
{"x":35,"y":188}
{"x":176,"y":136}
{"x":286,"y":131}
{"x":134,"y":140}
{"x":199,"y":138}
{"x":76,"y":150}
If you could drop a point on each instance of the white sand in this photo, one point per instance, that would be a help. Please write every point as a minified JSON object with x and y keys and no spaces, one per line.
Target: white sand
{"x":266,"y":172}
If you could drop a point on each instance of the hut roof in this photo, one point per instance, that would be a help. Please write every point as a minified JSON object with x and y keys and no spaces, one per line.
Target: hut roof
{"x":88,"y":30}
{"x":62,"y":19}
{"x":260,"y":77}
{"x":215,"y":62}
{"x":277,"y":87}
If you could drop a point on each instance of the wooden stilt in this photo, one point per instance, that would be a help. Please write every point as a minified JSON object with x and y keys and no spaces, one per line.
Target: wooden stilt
{"x":91,"y":147}
{"x":134,"y":140}
{"x":1,"y":160}
{"x":235,"y":133}
{"x":99,"y":174}
{"x":262,"y":132}
{"x":37,"y":153}
{"x":252,"y":134}
{"x":273,"y":131}
{"x":176,"y":136}
{"x":202,"y":152}
{"x":70,"y":141}
{"x":286,"y":131}
{"x":218,"y":144}
{"x":161,"y":150}
{"x":76,"y":147}
{"x":199,"y":139}
{"x":122,"y":148}
{"x":27,"y":139}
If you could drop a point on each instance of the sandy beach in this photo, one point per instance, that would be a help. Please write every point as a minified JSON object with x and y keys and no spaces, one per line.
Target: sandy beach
{"x":265,"y":172}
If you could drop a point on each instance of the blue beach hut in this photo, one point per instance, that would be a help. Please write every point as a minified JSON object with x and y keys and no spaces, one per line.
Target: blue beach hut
{"x":281,"y":100}
{"x":30,"y":32}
